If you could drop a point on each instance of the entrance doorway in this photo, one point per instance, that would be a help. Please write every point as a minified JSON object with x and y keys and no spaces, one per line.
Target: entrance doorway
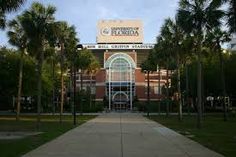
{"x":120,"y":101}
{"x":120,"y":81}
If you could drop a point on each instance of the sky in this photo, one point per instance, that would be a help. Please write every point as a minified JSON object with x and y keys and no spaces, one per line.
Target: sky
{"x":84,"y":15}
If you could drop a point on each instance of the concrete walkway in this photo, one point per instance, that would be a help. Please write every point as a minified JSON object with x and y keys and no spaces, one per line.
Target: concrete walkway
{"x":121,"y":135}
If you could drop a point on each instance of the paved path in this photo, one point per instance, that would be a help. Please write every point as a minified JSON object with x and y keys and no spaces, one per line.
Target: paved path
{"x":121,"y":135}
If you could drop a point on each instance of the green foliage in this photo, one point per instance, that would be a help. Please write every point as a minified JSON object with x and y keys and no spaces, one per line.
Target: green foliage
{"x":149,"y":64}
{"x":9,"y":63}
{"x":211,"y":75}
{"x":84,"y":59}
{"x":36,"y":23}
{"x":230,"y":74}
{"x":231,"y":16}
{"x":7,"y":6}
{"x":197,"y":16}
{"x":87,"y":106}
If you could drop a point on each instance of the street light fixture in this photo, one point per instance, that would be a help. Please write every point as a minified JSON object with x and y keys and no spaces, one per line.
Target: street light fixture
{"x":79,"y":47}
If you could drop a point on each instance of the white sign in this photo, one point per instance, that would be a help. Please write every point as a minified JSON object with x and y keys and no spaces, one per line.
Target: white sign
{"x":118,"y":46}
{"x":120,"y":31}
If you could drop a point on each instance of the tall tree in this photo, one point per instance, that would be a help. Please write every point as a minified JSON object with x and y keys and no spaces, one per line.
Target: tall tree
{"x":164,"y":54}
{"x":92,"y":69}
{"x":214,"y":39}
{"x":7,"y":6}
{"x":160,"y":64}
{"x":196,"y":17}
{"x":83,"y":60}
{"x":231,"y":16}
{"x":172,"y":33}
{"x":18,"y":38}
{"x":36,"y":22}
{"x":62,"y":35}
{"x":148,"y":66}
{"x":66,"y":40}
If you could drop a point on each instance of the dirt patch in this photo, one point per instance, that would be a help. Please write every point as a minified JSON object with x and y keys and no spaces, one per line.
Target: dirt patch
{"x":16,"y":135}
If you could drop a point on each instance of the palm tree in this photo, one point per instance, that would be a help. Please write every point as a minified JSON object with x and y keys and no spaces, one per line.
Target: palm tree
{"x":187,"y":47}
{"x":161,"y":62}
{"x":7,"y":6}
{"x":214,"y":40}
{"x":173,"y":33}
{"x":148,"y":66}
{"x":18,"y":38}
{"x":82,"y":62}
{"x":36,"y":22}
{"x":63,"y":39}
{"x":164,"y":54}
{"x":52,"y":58}
{"x":92,"y":70}
{"x":195,"y":17}
{"x":62,"y":32}
{"x":231,"y":15}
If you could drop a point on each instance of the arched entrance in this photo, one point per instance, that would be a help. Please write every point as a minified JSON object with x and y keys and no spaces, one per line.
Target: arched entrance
{"x":120,"y":100}
{"x":120,"y":81}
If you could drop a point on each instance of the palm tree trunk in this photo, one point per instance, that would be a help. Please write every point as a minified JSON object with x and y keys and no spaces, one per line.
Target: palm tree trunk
{"x":81,"y":92}
{"x":159,"y":89}
{"x":187,"y":88}
{"x":222,"y":73}
{"x":167,"y":89}
{"x":71,"y":87}
{"x":199,"y":90}
{"x":90,"y":96}
{"x":62,"y":82}
{"x":62,"y":95}
{"x":179,"y":90}
{"x":20,"y":85}
{"x":39,"y":86}
{"x":74,"y":93}
{"x":53,"y":87}
{"x":148,"y":93}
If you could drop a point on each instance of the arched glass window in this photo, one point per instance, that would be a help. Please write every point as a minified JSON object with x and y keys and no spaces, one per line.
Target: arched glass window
{"x":120,"y":79}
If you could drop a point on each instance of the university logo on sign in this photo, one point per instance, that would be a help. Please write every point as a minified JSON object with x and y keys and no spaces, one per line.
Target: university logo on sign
{"x":120,"y":31}
{"x":106,"y":31}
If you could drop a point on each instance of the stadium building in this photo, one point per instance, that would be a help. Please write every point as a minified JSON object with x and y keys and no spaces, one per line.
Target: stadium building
{"x":120,"y":51}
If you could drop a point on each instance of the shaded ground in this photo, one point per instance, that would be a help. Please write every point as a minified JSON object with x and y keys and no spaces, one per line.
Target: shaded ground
{"x":215,"y":133}
{"x":11,"y":135}
{"x":49,"y":126}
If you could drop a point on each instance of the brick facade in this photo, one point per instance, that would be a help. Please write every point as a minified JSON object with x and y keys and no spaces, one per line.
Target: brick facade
{"x":140,"y":79}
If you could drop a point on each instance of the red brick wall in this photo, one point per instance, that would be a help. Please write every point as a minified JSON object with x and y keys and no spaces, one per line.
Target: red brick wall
{"x":100,"y":92}
{"x":140,"y":81}
{"x":101,"y":76}
{"x":139,"y":76}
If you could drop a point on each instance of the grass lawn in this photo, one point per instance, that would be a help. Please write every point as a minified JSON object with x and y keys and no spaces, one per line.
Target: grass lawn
{"x":50,"y":127}
{"x":214,"y":134}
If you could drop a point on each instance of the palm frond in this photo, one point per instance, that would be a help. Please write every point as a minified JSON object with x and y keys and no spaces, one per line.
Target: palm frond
{"x":10,"y":5}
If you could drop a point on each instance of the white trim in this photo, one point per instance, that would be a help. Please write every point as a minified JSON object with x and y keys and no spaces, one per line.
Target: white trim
{"x":120,"y":92}
{"x":119,"y":46}
{"x":98,"y":99}
{"x":150,"y":99}
{"x":124,"y":56}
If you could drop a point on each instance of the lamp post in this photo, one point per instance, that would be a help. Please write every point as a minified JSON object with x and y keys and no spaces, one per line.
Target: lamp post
{"x":148,"y":91}
{"x":79,"y":47}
